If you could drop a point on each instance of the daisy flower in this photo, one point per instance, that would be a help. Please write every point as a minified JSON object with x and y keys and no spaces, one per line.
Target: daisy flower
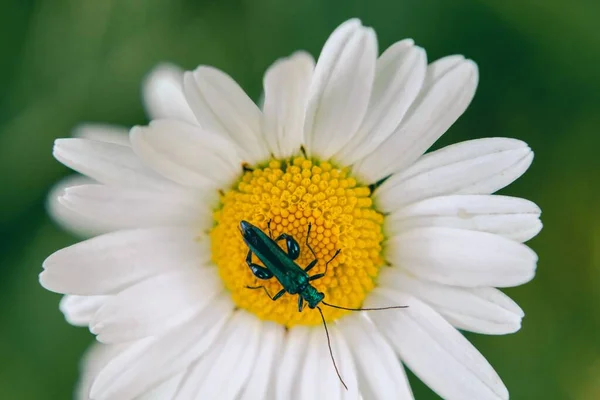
{"x":339,"y":146}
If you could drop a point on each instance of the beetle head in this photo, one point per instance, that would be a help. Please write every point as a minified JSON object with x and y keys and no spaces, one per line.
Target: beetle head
{"x":312,"y":296}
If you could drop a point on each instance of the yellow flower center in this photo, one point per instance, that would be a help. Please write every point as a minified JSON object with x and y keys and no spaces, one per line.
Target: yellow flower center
{"x":292,"y":194}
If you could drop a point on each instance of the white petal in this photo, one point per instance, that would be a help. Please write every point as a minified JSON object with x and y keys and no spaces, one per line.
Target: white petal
{"x":186,"y":153}
{"x":436,"y":352}
{"x":108,"y":163}
{"x":512,"y":217}
{"x":102,"y":133}
{"x":112,"y":208}
{"x":319,"y":379}
{"x":483,"y":310}
{"x":224,"y":370}
{"x":155,"y":305}
{"x":111,"y":262}
{"x":380,"y":373}
{"x":448,"y":89}
{"x":442,"y":66}
{"x":340,"y":88}
{"x":290,"y":364}
{"x":286,"y":86}
{"x":165,"y":390}
{"x":79,"y":310}
{"x":135,"y":373}
{"x":68,"y":219}
{"x":480,"y":166}
{"x":462,"y":258}
{"x":346,"y":364}
{"x":96,"y":357}
{"x":398,"y":78}
{"x":163,"y":94}
{"x":222,"y":107}
{"x":267,"y":362}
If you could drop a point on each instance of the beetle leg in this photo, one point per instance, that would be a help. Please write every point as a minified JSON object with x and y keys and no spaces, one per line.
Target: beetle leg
{"x":308,"y":245}
{"x":311,"y":265}
{"x":258,"y":270}
{"x":269,"y":228}
{"x":319,"y":276}
{"x":300,"y":303}
{"x":315,"y":261}
{"x":293,"y":249}
{"x":277,"y":296}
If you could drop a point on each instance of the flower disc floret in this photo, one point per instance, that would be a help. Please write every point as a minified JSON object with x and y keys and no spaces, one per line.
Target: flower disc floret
{"x":289,"y":195}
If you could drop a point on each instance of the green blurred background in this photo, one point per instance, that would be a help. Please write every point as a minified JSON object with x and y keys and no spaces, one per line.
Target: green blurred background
{"x":64,"y":62}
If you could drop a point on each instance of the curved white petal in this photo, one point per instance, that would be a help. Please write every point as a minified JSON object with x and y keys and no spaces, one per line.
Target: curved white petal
{"x":134,"y":373}
{"x":166,"y":390}
{"x":96,"y":357}
{"x":347,"y":367}
{"x":163,"y":94}
{"x":319,"y":379}
{"x":286,"y":86}
{"x":291,"y":363}
{"x":462,"y":258}
{"x":436,"y":352}
{"x":108,"y":163}
{"x":111,"y":262}
{"x":103,"y":133}
{"x":399,"y":76}
{"x":222,"y":107}
{"x":68,"y":219}
{"x":223,"y":371}
{"x":340,"y":89}
{"x":79,"y":310}
{"x":111,"y":208}
{"x":448,"y":89}
{"x":480,"y":166}
{"x":483,"y":310}
{"x":512,"y":217}
{"x":441,"y":67}
{"x":267,"y":361}
{"x":187,"y":154}
{"x":380,"y":373}
{"x":155,"y":305}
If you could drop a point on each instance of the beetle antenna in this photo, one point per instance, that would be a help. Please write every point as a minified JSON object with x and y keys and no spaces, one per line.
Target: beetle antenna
{"x":331,"y":351}
{"x":362,"y":309}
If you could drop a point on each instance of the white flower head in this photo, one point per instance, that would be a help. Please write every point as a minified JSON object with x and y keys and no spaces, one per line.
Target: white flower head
{"x":335,"y":160}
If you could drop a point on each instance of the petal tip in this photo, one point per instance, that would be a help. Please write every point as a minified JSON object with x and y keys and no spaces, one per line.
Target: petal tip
{"x":136,"y":134}
{"x":473,"y":70}
{"x":409,"y":42}
{"x":45,"y":279}
{"x":162,"y":69}
{"x":352,"y":22}
{"x":203,"y":72}
{"x":58,"y":146}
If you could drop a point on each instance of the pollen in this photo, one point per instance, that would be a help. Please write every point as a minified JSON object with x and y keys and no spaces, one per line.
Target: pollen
{"x":287,"y":196}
